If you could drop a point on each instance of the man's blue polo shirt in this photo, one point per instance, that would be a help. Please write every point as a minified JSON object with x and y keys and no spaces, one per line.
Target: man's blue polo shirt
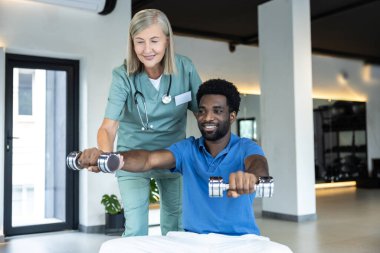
{"x":202,"y":214}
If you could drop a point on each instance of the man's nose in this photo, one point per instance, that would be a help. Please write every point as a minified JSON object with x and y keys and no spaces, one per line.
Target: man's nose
{"x":210,"y":116}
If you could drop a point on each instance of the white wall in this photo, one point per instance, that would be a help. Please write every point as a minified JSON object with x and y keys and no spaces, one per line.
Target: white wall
{"x":214,"y":60}
{"x":99,"y":43}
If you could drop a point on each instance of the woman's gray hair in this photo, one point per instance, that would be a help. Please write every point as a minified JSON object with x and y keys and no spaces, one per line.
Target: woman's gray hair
{"x":140,"y":21}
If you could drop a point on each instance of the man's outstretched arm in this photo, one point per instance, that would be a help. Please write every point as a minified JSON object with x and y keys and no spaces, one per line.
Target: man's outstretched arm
{"x":133,"y":160}
{"x":244,"y":182}
{"x":257,"y":165}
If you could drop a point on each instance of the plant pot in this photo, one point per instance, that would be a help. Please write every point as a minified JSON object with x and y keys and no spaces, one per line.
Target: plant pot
{"x":114,"y":223}
{"x":154,"y":205}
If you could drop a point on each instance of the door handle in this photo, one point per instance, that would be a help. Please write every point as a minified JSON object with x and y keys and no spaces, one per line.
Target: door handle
{"x":12,"y":137}
{"x":9,"y":141}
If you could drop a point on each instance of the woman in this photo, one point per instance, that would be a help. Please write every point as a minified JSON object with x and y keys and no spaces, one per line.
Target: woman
{"x":147,"y":109}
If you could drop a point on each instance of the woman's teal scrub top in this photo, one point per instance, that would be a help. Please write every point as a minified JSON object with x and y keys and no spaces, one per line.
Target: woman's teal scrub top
{"x":168,"y":120}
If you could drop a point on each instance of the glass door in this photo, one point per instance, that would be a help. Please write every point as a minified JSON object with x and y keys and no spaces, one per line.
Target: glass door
{"x":40,"y":192}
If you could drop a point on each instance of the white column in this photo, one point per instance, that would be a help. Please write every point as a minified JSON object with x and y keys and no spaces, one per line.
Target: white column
{"x":286,"y":107}
{"x":373,"y":116}
{"x":2,"y":120}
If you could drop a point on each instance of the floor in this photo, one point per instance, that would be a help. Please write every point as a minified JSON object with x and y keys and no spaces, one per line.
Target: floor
{"x":348,"y":221}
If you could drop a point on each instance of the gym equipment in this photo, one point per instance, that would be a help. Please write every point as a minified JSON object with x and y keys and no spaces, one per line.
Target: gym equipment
{"x":107,"y":162}
{"x":264,"y":189}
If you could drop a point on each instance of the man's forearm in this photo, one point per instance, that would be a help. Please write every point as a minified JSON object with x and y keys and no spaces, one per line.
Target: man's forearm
{"x":136,"y":160}
{"x":257,"y":165}
{"x":143,"y":160}
{"x":133,"y":160}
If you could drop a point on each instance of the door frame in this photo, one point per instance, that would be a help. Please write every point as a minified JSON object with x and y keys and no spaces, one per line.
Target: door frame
{"x":72,"y":130}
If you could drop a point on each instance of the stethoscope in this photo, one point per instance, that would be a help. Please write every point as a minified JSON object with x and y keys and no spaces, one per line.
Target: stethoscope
{"x":166,"y":99}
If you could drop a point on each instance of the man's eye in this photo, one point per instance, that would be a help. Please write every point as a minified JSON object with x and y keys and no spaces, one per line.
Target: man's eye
{"x":218,"y":111}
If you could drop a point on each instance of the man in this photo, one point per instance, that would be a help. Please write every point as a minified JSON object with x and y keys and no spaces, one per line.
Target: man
{"x":216,"y":153}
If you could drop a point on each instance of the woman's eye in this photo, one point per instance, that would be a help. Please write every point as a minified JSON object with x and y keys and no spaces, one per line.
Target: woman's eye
{"x":139,"y":42}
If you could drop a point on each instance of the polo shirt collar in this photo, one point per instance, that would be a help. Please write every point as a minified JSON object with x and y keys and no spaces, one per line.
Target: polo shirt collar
{"x":233,"y":139}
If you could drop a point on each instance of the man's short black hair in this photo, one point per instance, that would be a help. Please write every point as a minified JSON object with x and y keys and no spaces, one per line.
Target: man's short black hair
{"x":221,"y":87}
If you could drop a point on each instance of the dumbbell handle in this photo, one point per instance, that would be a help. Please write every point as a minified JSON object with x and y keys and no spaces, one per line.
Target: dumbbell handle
{"x":264,"y":189}
{"x":107,"y":162}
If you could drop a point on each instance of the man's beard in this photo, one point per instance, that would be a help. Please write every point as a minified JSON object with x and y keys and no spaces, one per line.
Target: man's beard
{"x":222,"y":129}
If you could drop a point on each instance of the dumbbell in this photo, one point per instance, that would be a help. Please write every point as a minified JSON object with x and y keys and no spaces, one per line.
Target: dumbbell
{"x":107,"y":162}
{"x":264,"y":189}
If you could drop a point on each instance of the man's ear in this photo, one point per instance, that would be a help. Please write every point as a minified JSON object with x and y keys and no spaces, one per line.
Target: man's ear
{"x":233,"y":116}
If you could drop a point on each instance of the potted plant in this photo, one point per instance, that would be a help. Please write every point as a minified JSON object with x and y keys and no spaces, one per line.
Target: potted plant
{"x":154,"y":196}
{"x":114,"y":214}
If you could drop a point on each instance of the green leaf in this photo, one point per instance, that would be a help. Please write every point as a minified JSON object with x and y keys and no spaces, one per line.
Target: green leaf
{"x":154,"y":195}
{"x":111,"y":204}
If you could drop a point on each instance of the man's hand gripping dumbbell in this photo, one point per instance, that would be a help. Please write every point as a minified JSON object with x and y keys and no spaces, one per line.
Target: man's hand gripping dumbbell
{"x":106,"y":162}
{"x":264,"y":187}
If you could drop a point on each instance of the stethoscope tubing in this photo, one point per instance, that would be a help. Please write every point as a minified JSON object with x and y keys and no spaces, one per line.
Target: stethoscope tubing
{"x":166,"y":99}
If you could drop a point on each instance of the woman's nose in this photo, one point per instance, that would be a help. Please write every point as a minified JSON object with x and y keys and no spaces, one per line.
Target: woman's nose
{"x":147,"y":47}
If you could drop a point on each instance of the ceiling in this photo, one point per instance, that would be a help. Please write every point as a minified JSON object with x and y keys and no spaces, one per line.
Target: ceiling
{"x":345,"y":28}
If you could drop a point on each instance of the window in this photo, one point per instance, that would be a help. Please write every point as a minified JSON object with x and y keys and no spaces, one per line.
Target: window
{"x":247,"y":128}
{"x":25,"y":91}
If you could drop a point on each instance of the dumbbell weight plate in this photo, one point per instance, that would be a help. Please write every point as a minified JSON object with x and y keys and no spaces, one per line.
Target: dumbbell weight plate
{"x":72,"y":160}
{"x":109,"y":162}
{"x":265,"y":187}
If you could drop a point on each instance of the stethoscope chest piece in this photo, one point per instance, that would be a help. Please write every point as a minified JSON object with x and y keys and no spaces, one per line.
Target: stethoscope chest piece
{"x":166,"y":99}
